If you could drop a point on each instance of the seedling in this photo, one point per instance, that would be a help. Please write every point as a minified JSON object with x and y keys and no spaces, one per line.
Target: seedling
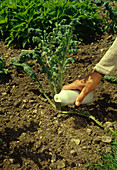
{"x":52,"y":54}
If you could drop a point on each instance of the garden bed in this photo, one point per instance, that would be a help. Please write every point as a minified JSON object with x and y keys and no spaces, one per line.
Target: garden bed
{"x":36,"y":136}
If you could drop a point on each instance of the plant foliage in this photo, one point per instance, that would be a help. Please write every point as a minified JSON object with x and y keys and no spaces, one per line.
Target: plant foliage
{"x":51,"y":54}
{"x":110,"y":79}
{"x":110,"y":19}
{"x":18,"y":16}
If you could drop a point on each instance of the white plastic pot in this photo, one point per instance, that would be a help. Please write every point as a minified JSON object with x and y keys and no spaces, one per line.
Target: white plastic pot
{"x":68,"y":97}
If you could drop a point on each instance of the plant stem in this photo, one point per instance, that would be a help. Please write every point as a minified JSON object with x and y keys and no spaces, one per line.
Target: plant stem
{"x":97,"y":121}
{"x":51,"y":87}
{"x":86,"y":114}
{"x":43,"y":91}
{"x":64,"y":59}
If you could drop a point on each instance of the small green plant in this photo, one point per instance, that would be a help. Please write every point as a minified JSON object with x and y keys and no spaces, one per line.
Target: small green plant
{"x":51,"y":54}
{"x":110,"y":79}
{"x":3,"y":69}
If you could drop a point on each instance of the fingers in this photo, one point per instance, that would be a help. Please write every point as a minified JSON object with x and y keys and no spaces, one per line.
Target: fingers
{"x":81,"y":96}
{"x":79,"y":85}
{"x":74,"y":85}
{"x":67,"y":87}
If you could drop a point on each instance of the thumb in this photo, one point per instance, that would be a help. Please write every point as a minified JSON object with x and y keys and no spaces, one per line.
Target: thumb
{"x":80,"y":98}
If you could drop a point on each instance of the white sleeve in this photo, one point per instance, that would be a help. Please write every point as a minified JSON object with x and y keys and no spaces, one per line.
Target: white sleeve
{"x":109,"y":61}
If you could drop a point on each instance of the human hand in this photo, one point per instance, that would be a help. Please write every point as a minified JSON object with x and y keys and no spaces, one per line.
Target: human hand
{"x":85,"y":85}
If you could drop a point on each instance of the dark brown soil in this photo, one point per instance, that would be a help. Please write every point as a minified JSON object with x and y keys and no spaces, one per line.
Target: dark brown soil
{"x":35,"y":135}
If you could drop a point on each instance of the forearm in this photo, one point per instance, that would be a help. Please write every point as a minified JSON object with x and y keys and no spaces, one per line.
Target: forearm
{"x":109,"y":61}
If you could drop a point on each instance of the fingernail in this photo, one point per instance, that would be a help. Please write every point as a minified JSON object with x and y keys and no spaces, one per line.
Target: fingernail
{"x":77,"y":103}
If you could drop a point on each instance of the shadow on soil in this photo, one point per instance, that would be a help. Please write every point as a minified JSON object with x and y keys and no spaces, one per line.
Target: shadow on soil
{"x":4,"y":78}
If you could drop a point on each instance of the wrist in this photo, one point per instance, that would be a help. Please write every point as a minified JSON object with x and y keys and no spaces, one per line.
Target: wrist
{"x":95,"y":70}
{"x":96,"y":73}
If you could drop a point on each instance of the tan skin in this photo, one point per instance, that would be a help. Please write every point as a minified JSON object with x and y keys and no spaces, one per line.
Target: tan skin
{"x":85,"y":85}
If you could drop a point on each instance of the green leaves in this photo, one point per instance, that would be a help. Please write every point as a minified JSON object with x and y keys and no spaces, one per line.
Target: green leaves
{"x":110,"y":19}
{"x":32,"y":74}
{"x":26,"y":68}
{"x":52,"y":53}
{"x":110,"y":79}
{"x":56,"y":47}
{"x":3,"y":69}
{"x":18,"y":16}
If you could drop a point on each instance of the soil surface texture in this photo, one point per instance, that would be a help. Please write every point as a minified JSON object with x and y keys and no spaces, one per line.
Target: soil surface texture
{"x":36,"y":136}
